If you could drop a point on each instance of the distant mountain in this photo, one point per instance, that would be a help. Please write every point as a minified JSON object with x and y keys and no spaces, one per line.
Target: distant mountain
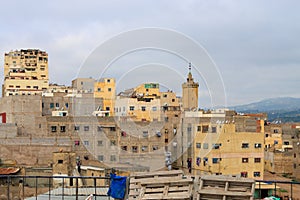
{"x":284,"y":109}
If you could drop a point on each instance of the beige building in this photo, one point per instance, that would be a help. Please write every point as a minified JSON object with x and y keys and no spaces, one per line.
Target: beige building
{"x":25,"y":72}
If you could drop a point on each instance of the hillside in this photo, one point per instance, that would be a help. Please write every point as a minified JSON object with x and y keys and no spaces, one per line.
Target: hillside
{"x":284,"y":109}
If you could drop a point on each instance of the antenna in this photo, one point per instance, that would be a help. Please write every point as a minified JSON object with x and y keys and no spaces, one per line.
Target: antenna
{"x":190,"y":66}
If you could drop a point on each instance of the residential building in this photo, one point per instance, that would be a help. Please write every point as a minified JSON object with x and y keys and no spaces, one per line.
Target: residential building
{"x":105,"y":88}
{"x":25,"y":72}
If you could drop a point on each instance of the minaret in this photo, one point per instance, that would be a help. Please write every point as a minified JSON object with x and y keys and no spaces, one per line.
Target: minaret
{"x":190,"y":92}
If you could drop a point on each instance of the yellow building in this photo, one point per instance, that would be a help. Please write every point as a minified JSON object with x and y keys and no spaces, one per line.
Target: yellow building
{"x":106,"y":89}
{"x":25,"y":72}
{"x":219,"y":149}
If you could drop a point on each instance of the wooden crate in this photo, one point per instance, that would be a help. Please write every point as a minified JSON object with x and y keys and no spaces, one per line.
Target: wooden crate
{"x":225,"y":188}
{"x":157,"y":182}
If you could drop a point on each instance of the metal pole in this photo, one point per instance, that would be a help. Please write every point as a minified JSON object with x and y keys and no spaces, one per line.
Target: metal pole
{"x":291,"y":190}
{"x":76,"y":188}
{"x":49,"y":191}
{"x":95,"y":186}
{"x":275,"y":188}
{"x":8,"y":181}
{"x":63,"y":189}
{"x":36,"y":188}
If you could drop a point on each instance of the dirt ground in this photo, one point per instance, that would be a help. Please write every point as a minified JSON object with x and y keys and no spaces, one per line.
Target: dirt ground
{"x":287,"y":187}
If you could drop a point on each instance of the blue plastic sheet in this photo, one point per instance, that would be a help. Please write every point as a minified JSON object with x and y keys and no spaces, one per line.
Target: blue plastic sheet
{"x":117,"y":186}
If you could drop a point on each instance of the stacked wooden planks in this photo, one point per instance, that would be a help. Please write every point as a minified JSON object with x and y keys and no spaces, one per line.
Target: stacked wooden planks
{"x":225,"y":188}
{"x":160,"y":185}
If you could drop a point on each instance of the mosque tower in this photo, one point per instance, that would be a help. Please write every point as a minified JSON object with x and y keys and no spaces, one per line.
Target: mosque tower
{"x":190,"y":92}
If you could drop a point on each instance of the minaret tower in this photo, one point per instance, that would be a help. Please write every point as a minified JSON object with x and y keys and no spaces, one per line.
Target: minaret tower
{"x":190,"y":92}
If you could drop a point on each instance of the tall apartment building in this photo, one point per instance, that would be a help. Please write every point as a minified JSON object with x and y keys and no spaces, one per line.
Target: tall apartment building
{"x":25,"y":72}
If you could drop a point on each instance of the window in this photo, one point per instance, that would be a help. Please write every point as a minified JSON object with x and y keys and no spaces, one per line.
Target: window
{"x":86,"y":143}
{"x":53,"y":128}
{"x":165,"y":95}
{"x":108,"y":80}
{"x":109,"y":89}
{"x":60,"y":161}
{"x":257,"y":145}
{"x":112,"y":128}
{"x":107,"y":108}
{"x":286,"y":143}
{"x":144,"y":148}
{"x":99,"y":89}
{"x":204,"y":129}
{"x":257,"y":160}
{"x":101,"y":158}
{"x":113,"y":143}
{"x":199,"y":128}
{"x":245,"y":160}
{"x":154,"y":108}
{"x":198,"y":145}
{"x":51,"y":105}
{"x":213,"y":129}
{"x":62,"y":128}
{"x":173,"y":100}
{"x":57,"y":105}
{"x":100,"y":143}
{"x":245,"y":145}
{"x":166,"y":119}
{"x":76,"y":142}
{"x":99,"y":128}
{"x":205,"y":145}
{"x":244,"y":174}
{"x":86,"y":128}
{"x":113,"y":158}
{"x":205,"y":161}
{"x":124,"y":148}
{"x":143,"y":108}
{"x":134,"y":149}
{"x":67,"y":105}
{"x":123,"y":133}
{"x":189,"y":129}
{"x":76,"y":128}
{"x":154,"y":147}
{"x":256,"y":174}
{"x":275,"y":131}
{"x":216,"y":160}
{"x":145,"y":133}
{"x":131,"y":108}
{"x":216,"y":146}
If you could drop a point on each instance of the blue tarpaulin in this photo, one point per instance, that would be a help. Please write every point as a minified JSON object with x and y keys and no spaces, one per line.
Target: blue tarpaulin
{"x":117,"y":186}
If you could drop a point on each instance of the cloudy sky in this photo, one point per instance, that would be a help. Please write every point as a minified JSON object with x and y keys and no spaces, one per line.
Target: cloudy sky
{"x":254,"y":44}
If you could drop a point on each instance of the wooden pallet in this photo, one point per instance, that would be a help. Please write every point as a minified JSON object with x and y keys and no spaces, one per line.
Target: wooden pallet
{"x":158,"y":185}
{"x":225,"y":188}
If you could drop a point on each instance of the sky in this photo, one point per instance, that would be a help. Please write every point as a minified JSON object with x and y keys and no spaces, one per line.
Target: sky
{"x":253,"y":45}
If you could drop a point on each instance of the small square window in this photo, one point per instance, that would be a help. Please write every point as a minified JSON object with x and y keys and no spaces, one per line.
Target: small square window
{"x":100,"y":143}
{"x":86,"y":128}
{"x":198,"y":145}
{"x":213,"y":129}
{"x":113,"y":158}
{"x":205,"y":145}
{"x":101,"y":158}
{"x":51,"y":105}
{"x":245,"y":145}
{"x":113,"y":143}
{"x":76,"y":128}
{"x":256,"y":174}
{"x":131,"y":108}
{"x":134,"y":149}
{"x":216,"y":160}
{"x":204,"y":129}
{"x":144,"y":148}
{"x":109,"y":89}
{"x":199,"y":128}
{"x":53,"y":128}
{"x":86,"y":143}
{"x":60,"y":161}
{"x":62,"y":128}
{"x":245,"y":160}
{"x":257,"y":160}
{"x":244,"y":174}
{"x":145,"y":133}
{"x":143,"y":108}
{"x":257,"y":145}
